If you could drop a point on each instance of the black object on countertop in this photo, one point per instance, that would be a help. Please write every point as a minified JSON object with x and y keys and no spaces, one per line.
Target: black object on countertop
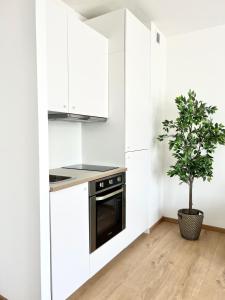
{"x":90,"y":168}
{"x":57,"y":178}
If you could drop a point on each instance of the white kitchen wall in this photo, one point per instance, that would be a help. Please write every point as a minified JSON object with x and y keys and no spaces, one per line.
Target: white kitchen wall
{"x":197,"y":61}
{"x":65,"y":147}
{"x":158,"y":88}
{"x":19,"y":194}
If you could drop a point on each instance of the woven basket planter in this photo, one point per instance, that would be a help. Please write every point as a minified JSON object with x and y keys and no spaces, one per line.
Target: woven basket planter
{"x":190,"y":223}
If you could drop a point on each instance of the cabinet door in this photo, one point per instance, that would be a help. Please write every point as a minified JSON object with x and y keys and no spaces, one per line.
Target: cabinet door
{"x":88,"y":69}
{"x":69,"y":240}
{"x":57,"y":59}
{"x":137,"y":85}
{"x":138,"y":192}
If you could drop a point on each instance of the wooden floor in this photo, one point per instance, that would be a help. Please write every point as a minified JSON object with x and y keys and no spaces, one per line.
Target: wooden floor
{"x":164,"y":266}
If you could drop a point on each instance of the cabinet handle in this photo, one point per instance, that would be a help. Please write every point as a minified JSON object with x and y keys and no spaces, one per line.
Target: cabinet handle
{"x":64,"y":106}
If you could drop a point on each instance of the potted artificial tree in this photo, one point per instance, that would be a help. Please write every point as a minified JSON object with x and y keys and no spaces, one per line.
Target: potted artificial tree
{"x":193,"y":138}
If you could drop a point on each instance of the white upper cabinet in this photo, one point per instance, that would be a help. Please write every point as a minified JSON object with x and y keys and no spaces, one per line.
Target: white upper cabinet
{"x":57,"y":66}
{"x":77,"y":64}
{"x":69,"y":240}
{"x":137,"y":66}
{"x":88,"y":69}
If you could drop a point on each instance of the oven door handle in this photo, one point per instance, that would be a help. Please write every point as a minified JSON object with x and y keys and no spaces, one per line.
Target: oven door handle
{"x":109,"y":195}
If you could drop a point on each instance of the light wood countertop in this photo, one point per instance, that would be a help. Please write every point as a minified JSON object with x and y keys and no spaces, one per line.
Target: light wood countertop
{"x":79,"y":177}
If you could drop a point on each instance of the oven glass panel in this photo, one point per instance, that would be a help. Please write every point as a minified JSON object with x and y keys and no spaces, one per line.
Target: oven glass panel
{"x":108,"y":218}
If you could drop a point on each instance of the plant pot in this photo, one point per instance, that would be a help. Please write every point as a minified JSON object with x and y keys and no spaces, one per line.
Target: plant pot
{"x":190,"y":223}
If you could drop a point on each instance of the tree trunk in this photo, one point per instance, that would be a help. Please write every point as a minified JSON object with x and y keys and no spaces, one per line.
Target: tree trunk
{"x":190,"y":194}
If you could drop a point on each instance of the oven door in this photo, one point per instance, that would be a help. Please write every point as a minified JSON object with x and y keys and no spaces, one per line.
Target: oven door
{"x":107,"y":216}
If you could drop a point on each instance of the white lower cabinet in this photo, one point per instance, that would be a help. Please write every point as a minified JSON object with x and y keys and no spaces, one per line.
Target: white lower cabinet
{"x":138,"y":192}
{"x":69,"y":240}
{"x":72,"y":264}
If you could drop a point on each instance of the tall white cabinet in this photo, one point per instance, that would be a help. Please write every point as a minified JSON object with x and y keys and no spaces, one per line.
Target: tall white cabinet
{"x":77,"y":64}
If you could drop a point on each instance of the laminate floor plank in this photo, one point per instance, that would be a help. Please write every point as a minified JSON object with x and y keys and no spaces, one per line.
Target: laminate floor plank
{"x":162,"y":266}
{"x":213,"y":286}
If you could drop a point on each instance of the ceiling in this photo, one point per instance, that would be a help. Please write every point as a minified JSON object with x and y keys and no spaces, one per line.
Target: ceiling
{"x":171,"y":16}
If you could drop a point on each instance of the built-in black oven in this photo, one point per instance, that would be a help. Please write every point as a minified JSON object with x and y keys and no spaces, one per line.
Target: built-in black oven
{"x":107,"y":205}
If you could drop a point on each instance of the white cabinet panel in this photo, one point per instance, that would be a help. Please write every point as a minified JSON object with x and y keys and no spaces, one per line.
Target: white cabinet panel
{"x":88,"y":70}
{"x":138,"y":192}
{"x":69,"y":240}
{"x":137,"y":85}
{"x":57,"y":65}
{"x":100,"y":257}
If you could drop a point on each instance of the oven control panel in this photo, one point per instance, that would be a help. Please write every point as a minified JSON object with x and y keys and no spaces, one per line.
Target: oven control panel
{"x":103,"y":184}
{"x":106,"y":182}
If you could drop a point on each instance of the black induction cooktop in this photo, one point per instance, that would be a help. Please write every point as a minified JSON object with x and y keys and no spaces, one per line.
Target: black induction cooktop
{"x":90,"y":168}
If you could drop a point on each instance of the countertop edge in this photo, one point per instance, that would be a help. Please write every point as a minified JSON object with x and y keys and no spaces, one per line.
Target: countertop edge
{"x":74,"y":182}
